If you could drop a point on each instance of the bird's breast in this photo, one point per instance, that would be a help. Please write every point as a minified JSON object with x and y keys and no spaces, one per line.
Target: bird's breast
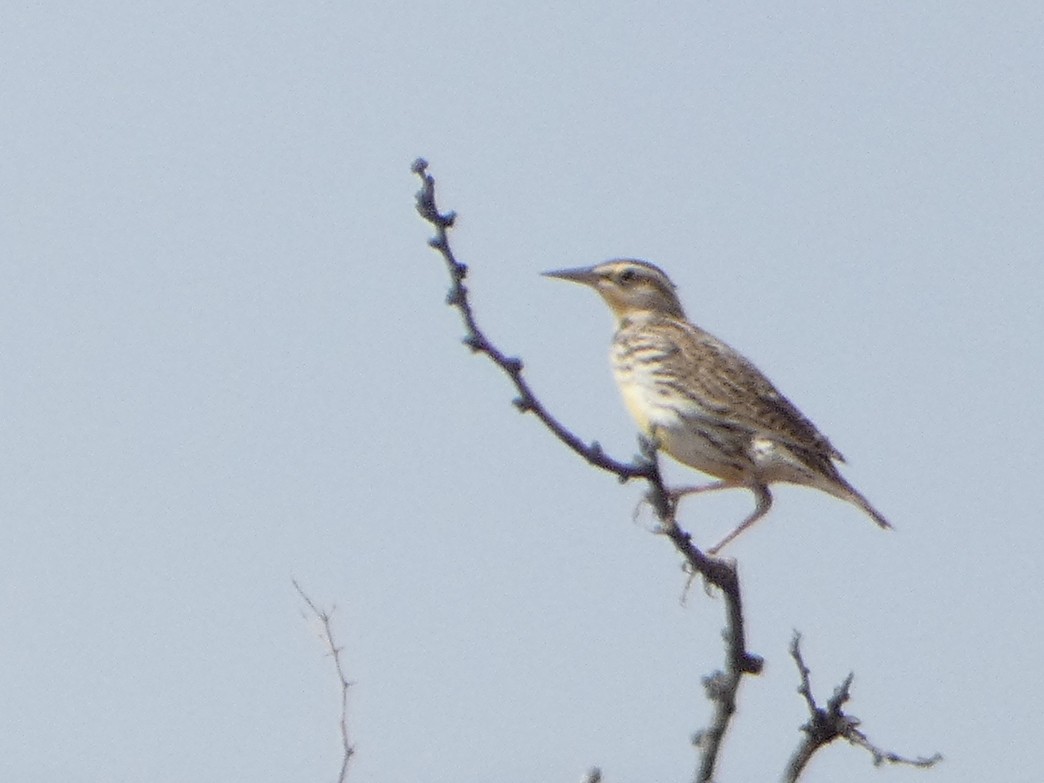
{"x":637,"y":405}
{"x":642,"y":390}
{"x":685,"y":430}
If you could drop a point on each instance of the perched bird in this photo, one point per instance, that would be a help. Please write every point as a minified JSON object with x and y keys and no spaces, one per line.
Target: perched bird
{"x":702,"y":402}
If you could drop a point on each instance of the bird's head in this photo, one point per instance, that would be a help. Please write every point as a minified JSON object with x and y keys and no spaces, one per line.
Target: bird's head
{"x":630,"y":287}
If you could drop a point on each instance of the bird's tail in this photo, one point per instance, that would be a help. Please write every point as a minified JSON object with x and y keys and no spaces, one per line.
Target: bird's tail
{"x":875,"y":515}
{"x":853,"y":496}
{"x":838,"y":487}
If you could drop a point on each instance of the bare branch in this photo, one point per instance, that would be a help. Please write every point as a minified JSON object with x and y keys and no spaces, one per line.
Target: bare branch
{"x":721,"y":686}
{"x":526,"y":402}
{"x":830,"y":723}
{"x":326,"y":635}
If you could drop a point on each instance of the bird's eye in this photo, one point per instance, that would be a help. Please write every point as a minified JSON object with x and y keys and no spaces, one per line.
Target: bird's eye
{"x":627,"y":276}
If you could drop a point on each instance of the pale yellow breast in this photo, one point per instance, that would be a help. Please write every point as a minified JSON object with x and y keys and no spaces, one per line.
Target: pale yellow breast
{"x":634,"y":378}
{"x":659,"y":417}
{"x":635,"y":399}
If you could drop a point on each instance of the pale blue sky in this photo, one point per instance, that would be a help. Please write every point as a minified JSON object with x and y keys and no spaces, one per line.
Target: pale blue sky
{"x":227,"y":362}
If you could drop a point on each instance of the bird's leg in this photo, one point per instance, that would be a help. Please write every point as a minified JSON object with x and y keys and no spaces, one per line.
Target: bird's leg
{"x":764,"y":503}
{"x":680,"y":492}
{"x":674,"y":495}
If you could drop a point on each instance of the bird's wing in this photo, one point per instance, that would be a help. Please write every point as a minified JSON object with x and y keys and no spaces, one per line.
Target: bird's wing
{"x":730,"y":388}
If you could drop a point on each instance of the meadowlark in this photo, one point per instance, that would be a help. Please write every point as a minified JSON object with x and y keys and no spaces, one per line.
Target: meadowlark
{"x":702,"y":402}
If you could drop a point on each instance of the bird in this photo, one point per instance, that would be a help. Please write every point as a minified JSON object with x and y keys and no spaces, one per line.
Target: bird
{"x":704,"y":403}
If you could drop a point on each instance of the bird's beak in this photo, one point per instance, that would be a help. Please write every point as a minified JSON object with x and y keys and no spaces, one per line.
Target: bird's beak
{"x":584,"y":275}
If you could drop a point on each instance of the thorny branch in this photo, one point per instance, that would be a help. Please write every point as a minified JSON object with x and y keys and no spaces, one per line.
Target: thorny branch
{"x":721,"y":687}
{"x":326,"y":635}
{"x":830,"y":723}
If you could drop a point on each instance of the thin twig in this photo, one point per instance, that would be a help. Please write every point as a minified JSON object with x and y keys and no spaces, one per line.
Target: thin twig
{"x":326,"y":635}
{"x":721,"y":687}
{"x":830,"y":723}
{"x":526,"y":402}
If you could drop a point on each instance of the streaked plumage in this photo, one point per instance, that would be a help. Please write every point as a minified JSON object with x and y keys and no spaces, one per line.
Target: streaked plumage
{"x":704,"y":403}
